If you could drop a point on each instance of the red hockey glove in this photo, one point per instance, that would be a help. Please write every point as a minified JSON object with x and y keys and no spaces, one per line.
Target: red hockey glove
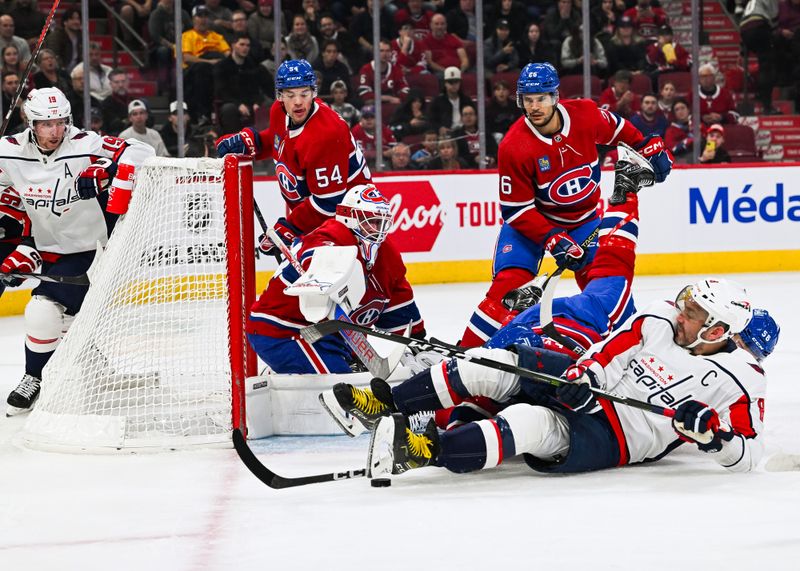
{"x":95,"y":178}
{"x":287,"y":231}
{"x":577,"y":393}
{"x":24,"y":260}
{"x":567,"y":252}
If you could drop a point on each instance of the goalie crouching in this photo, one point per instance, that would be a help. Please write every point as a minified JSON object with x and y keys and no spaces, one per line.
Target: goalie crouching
{"x":348,"y":261}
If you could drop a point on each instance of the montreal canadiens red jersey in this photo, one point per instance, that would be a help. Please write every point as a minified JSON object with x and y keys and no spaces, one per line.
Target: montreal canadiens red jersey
{"x":387,"y":304}
{"x":554,"y":182}
{"x":316,"y":163}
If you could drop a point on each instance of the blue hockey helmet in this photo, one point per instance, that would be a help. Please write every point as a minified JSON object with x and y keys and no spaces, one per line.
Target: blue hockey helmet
{"x":295,"y":73}
{"x":761,"y":334}
{"x":537,"y":78}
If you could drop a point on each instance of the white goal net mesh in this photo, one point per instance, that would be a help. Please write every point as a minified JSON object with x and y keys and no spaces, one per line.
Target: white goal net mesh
{"x":146,"y":362}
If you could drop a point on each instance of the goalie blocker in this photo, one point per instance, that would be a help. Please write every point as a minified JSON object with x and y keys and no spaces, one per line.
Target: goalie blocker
{"x":348,"y":261}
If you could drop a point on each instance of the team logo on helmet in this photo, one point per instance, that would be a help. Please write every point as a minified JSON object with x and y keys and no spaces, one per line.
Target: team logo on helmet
{"x":288,"y":182}
{"x":572,"y":186}
{"x":371,"y":194}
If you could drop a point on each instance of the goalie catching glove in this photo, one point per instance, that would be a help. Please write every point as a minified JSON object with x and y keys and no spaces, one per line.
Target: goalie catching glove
{"x":697,"y":422}
{"x":245,"y":142}
{"x":95,"y":178}
{"x":24,"y":260}
{"x":334,"y":277}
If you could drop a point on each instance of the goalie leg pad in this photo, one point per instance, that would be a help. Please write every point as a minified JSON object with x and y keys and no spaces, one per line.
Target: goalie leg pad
{"x":44,"y":324}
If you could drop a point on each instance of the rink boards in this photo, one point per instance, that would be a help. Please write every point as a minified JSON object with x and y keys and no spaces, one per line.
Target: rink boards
{"x":721,"y":219}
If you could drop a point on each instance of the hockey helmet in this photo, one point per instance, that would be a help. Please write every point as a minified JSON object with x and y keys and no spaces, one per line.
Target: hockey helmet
{"x":725,"y":301}
{"x":761,"y":334}
{"x":295,"y":73}
{"x":47,"y":103}
{"x":537,"y":78}
{"x":366,"y":212}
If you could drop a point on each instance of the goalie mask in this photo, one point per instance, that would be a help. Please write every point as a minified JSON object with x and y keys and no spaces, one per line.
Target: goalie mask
{"x":366,"y":212}
{"x":726,"y":303}
{"x":47,"y":104}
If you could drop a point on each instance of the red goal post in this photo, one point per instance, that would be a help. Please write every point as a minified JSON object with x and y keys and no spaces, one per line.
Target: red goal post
{"x":157,"y":357}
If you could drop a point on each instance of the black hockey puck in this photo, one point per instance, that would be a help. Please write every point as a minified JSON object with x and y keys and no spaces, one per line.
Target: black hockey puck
{"x":380,"y":482}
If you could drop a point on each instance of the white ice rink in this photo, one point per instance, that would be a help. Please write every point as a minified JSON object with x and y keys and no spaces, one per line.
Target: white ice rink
{"x":188,"y":511}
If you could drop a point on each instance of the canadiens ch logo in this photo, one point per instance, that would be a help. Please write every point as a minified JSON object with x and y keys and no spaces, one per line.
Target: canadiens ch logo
{"x":368,"y":313}
{"x":544,"y":163}
{"x":572,"y":186}
{"x":288,"y":182}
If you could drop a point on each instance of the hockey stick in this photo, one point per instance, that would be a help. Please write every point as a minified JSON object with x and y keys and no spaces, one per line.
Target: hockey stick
{"x":277,"y":482}
{"x":82,"y":279}
{"x":546,"y":316}
{"x":263,"y":224}
{"x":314,"y":332}
{"x":23,"y":80}
{"x":378,"y":366}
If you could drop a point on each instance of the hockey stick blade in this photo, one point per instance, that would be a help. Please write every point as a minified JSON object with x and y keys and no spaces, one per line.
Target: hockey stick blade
{"x":277,"y":482}
{"x":71,"y":280}
{"x":448,"y":350}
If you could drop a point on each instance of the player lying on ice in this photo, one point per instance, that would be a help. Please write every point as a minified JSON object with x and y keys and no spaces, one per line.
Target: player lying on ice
{"x":549,"y":188}
{"x":684,"y":355}
{"x":347,"y":261}
{"x":52,"y":192}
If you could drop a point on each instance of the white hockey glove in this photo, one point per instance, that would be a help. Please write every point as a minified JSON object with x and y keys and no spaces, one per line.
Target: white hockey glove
{"x":335,"y":277}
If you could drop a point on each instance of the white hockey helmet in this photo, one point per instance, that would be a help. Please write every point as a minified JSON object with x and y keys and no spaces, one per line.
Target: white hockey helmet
{"x":725,"y":301}
{"x":366,"y":212}
{"x":47,"y":103}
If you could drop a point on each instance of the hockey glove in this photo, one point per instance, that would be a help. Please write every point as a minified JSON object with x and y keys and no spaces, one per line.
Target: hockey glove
{"x":577,"y":393}
{"x":245,"y":142}
{"x":697,"y":422}
{"x":287,"y":231}
{"x":25,"y":260}
{"x":656,"y":152}
{"x":566,"y":251}
{"x":95,"y":178}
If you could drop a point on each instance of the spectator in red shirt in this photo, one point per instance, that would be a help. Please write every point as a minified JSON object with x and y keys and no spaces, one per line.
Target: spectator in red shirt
{"x":716,"y":103}
{"x":646,"y":19}
{"x":679,"y":133}
{"x":364,"y":135}
{"x":666,"y":55}
{"x":394,"y":87}
{"x":618,"y":97}
{"x":443,"y":50}
{"x":415,"y":15}
{"x":409,"y":52}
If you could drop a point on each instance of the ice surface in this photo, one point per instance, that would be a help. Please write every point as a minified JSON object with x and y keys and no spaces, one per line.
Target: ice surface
{"x":202,"y":510}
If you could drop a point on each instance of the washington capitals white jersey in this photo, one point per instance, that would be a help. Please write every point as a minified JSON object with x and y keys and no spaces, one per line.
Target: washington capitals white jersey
{"x":554,"y":182}
{"x":641,"y":361}
{"x":60,"y":222}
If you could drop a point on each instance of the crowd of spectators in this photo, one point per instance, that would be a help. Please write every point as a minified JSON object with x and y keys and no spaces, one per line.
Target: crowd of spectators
{"x":228,"y":50}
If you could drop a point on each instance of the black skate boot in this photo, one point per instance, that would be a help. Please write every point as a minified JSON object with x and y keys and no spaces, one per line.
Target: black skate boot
{"x":356,"y":410}
{"x":631,"y":172}
{"x":395,"y":448}
{"x":22,"y":398}
{"x":525,"y":296}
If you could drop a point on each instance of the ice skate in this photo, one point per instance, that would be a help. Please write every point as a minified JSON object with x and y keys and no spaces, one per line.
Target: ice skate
{"x":525,"y":296}
{"x":356,"y":410}
{"x":395,"y":448}
{"x":21,"y":399}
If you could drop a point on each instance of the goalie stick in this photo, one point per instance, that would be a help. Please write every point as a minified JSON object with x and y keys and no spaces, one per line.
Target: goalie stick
{"x":315,"y":332}
{"x":82,"y":279}
{"x":277,"y":482}
{"x":378,"y":366}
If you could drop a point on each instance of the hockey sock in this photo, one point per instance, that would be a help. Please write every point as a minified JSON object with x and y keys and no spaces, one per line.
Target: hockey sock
{"x":472,"y":409}
{"x":35,"y":362}
{"x":476,"y":445}
{"x":616,"y":242}
{"x":432,"y":389}
{"x":491,"y":313}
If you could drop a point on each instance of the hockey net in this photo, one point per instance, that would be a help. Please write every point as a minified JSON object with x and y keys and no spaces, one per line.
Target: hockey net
{"x":157,"y":356}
